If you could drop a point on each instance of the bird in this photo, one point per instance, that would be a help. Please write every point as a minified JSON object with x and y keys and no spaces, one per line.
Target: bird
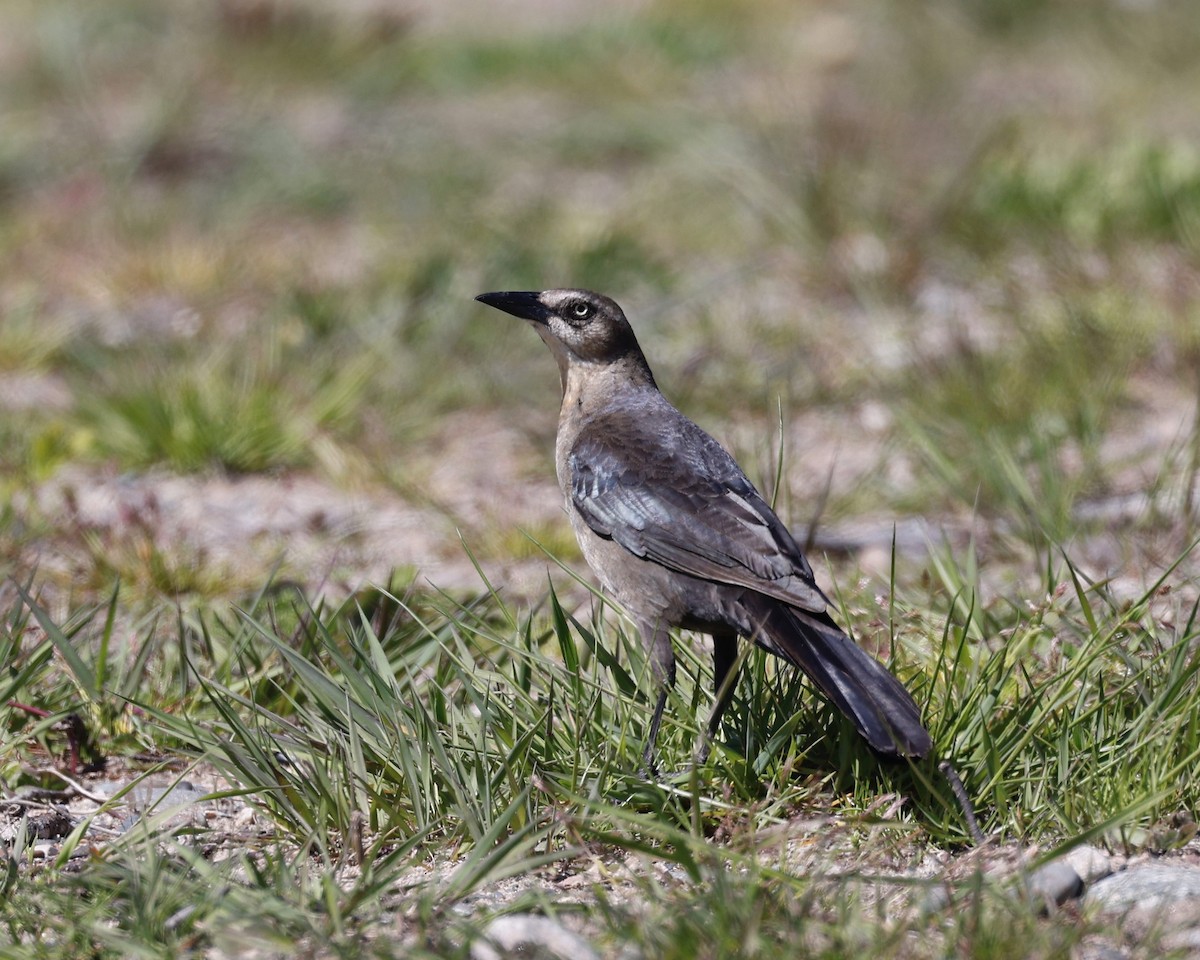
{"x":679,"y":536}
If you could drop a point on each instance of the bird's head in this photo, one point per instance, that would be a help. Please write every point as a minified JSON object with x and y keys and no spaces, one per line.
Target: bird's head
{"x":579,"y":327}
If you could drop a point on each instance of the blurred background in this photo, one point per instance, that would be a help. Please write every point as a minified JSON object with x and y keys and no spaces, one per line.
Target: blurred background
{"x":925,"y":267}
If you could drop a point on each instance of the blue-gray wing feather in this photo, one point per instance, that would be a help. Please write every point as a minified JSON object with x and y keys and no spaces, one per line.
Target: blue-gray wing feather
{"x":680,"y":500}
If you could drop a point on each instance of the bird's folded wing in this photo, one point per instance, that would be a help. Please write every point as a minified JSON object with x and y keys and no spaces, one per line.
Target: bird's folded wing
{"x":694,"y":516}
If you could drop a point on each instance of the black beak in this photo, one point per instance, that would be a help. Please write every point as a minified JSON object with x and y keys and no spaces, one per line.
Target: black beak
{"x":520,"y":303}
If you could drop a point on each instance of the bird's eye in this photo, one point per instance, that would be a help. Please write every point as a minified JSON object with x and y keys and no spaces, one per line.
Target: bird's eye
{"x":581,"y":310}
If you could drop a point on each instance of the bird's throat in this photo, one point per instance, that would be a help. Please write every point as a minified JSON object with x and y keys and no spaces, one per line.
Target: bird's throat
{"x":595,"y":386}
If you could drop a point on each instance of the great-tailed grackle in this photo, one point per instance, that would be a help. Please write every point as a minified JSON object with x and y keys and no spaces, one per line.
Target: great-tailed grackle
{"x":678,"y":534}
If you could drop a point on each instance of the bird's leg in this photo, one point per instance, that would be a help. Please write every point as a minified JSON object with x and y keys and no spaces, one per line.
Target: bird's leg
{"x":662,"y":661}
{"x":649,"y":765}
{"x":725,"y":658}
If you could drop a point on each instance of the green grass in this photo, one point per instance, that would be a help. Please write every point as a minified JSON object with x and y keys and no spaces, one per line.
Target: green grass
{"x":241,"y":420}
{"x":1100,"y":201}
{"x":1017,"y":428}
{"x":512,"y":740}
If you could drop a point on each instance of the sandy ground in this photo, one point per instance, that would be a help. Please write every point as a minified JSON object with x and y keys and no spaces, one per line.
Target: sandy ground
{"x":483,"y":481}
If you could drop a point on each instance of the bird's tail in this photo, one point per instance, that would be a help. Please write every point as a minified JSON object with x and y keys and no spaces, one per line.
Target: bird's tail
{"x":859,"y":685}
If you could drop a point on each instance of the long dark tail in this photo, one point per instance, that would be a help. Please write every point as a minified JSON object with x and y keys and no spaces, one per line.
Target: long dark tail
{"x":859,"y":685}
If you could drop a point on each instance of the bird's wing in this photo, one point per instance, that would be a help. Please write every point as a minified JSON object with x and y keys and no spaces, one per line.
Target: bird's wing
{"x":682,"y":501}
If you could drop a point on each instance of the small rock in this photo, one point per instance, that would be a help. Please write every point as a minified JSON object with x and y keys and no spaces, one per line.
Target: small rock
{"x":172,"y":806}
{"x":1100,"y":951}
{"x":44,"y":850}
{"x":1176,"y":922}
{"x":1091,"y":863}
{"x":527,"y":935}
{"x":586,"y":878}
{"x":1054,"y":884}
{"x":1184,"y":938}
{"x":936,"y":899}
{"x":246,"y":817}
{"x":51,"y":824}
{"x":162,"y":799}
{"x":1150,"y":885}
{"x":1156,"y":900}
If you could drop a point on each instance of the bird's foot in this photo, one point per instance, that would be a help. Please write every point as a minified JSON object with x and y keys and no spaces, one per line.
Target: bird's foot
{"x":652,"y":773}
{"x":649,"y":768}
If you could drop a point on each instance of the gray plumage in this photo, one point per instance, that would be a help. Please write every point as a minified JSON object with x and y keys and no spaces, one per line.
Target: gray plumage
{"x":676,"y":532}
